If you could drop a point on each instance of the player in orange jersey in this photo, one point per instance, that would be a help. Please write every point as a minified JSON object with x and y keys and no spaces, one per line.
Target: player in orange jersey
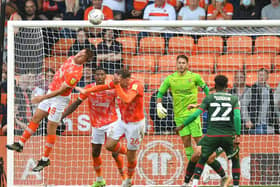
{"x":132,"y":123}
{"x":53,"y":104}
{"x":103,"y":116}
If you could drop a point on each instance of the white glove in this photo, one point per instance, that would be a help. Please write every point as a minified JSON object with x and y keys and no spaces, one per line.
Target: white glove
{"x":161,"y":111}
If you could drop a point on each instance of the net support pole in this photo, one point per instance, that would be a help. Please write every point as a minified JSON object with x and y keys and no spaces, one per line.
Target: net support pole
{"x":10,"y":102}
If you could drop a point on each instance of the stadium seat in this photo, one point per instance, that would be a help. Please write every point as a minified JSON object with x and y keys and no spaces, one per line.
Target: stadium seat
{"x":267,"y":44}
{"x":276,"y":63}
{"x":210,"y":45}
{"x":152,"y":45}
{"x":142,"y":63}
{"x":274,"y":80}
{"x":258,"y":61}
{"x":62,"y":46}
{"x":95,"y":41}
{"x":181,"y":45}
{"x":202,"y":62}
{"x":128,"y":45}
{"x":167,"y":63}
{"x":155,"y":80}
{"x":209,"y":79}
{"x":54,"y":62}
{"x":230,"y":62}
{"x":239,"y":44}
{"x":143,"y":77}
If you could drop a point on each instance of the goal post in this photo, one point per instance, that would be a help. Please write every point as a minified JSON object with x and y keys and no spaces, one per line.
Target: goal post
{"x":212,"y":47}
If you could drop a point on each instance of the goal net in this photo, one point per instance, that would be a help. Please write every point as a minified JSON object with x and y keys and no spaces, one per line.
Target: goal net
{"x":149,"y":50}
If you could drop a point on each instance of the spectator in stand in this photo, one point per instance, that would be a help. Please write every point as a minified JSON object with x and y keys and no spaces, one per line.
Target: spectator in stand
{"x":240,"y":89}
{"x":277,"y":101}
{"x":114,"y":9}
{"x":109,"y":52}
{"x":82,"y":42}
{"x":202,"y":3}
{"x":50,"y":8}
{"x":11,"y":9}
{"x":159,"y":10}
{"x":271,"y":11}
{"x":73,"y":10}
{"x":220,"y":10}
{"x":30,"y":12}
{"x":191,"y":12}
{"x":247,"y":10}
{"x":135,"y":8}
{"x":260,"y":103}
{"x":87,"y":77}
{"x":41,"y":86}
{"x":3,"y":103}
{"x":165,"y":125}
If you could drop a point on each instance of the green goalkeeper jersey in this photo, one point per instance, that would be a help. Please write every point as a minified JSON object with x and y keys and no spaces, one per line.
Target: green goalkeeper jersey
{"x":184,"y":89}
{"x":220,"y":107}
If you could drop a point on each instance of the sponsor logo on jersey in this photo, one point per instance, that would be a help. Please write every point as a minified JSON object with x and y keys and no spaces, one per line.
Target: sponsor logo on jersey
{"x":73,"y":81}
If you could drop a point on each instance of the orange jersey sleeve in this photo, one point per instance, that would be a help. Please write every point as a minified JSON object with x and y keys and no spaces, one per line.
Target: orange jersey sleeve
{"x":100,"y":87}
{"x":84,"y":96}
{"x":126,"y":97}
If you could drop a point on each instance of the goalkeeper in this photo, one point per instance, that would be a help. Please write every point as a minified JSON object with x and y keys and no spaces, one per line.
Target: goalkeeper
{"x":184,"y":87}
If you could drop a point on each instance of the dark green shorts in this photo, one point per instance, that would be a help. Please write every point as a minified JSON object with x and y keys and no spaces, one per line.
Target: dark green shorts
{"x":212,"y":144}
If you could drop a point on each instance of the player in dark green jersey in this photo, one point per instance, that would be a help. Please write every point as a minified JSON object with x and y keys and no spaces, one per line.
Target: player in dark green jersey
{"x":223,"y":130}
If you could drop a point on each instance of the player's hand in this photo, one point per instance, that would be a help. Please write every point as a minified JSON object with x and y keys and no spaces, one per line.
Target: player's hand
{"x":236,"y":141}
{"x":116,"y":79}
{"x":178,"y":129}
{"x":81,"y":90}
{"x":161,"y":111}
{"x":191,"y":106}
{"x":37,"y":99}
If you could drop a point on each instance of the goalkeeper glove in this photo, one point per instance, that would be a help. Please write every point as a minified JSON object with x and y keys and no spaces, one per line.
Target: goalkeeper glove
{"x":161,"y":111}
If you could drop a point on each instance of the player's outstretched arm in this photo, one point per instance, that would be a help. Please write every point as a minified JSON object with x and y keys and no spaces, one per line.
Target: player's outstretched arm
{"x":71,"y":108}
{"x":190,"y":119}
{"x":125,"y":97}
{"x":62,"y":89}
{"x":99,"y":88}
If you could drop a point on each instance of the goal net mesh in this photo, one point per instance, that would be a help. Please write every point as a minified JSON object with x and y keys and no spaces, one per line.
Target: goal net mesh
{"x":150,"y":55}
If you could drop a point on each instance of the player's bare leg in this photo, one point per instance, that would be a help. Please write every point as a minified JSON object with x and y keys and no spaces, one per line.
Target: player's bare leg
{"x":97,"y":161}
{"x":50,"y":141}
{"x":30,"y":129}
{"x":131,"y":166}
{"x":116,"y":148}
{"x":212,"y":162}
{"x":119,"y":162}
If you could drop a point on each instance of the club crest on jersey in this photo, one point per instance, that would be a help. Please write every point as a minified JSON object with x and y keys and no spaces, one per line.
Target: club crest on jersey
{"x":189,"y":80}
{"x":73,"y":81}
{"x":134,"y":87}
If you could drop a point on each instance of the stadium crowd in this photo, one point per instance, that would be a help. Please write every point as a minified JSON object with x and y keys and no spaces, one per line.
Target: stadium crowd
{"x":109,"y":51}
